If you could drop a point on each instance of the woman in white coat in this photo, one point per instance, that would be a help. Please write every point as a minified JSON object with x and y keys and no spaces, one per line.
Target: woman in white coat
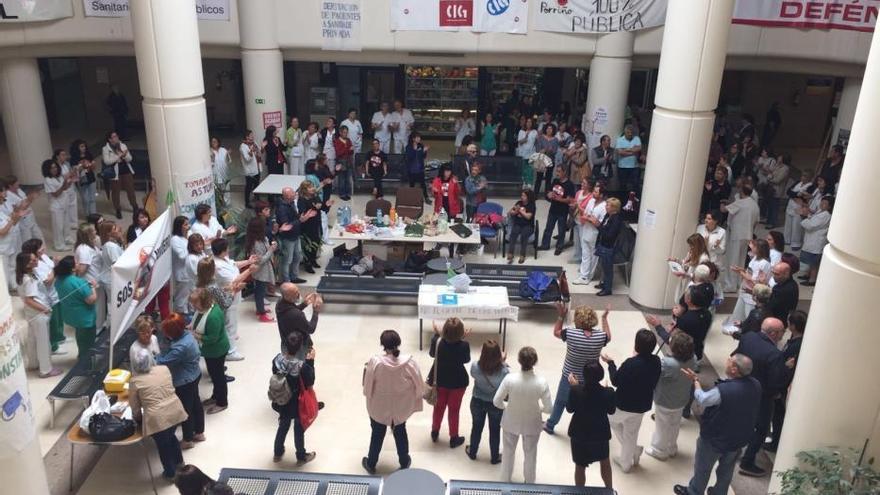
{"x":182,"y":283}
{"x":527,"y":397}
{"x":293,"y":139}
{"x":716,"y":242}
{"x":793,"y":232}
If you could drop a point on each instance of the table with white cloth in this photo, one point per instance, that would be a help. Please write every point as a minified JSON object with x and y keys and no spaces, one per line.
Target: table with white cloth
{"x":396,"y":234}
{"x":275,"y":183}
{"x":479,"y":303}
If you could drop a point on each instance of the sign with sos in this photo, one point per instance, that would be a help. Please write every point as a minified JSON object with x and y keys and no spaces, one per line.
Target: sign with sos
{"x":124,"y":295}
{"x":456,"y":13}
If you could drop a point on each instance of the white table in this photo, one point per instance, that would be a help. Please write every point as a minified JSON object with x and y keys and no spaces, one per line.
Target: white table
{"x":274,"y":183}
{"x":480,"y":303}
{"x":397,"y":235}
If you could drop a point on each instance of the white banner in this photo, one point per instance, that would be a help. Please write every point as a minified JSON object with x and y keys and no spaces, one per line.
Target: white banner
{"x":597,"y":16}
{"x":506,"y":16}
{"x":819,"y":14}
{"x":501,"y":16}
{"x":193,"y":190}
{"x":17,"y":421}
{"x":207,"y":10}
{"x":341,"y":25}
{"x":142,"y":270}
{"x":34,"y":11}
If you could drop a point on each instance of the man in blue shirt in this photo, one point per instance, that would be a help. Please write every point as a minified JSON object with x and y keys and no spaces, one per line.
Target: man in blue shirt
{"x":628,"y":148}
{"x":728,"y":422}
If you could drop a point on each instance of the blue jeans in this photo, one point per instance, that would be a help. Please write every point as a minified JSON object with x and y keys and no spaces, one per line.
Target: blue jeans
{"x":299,"y":436}
{"x":88,"y":195}
{"x":292,"y":257}
{"x":377,"y":438}
{"x":628,"y":178}
{"x":169,"y":450}
{"x":704,"y":460}
{"x":561,"y":401}
{"x":479,"y":410}
{"x":344,"y":180}
{"x":260,"y":296}
{"x":606,"y":260}
{"x":558,"y":221}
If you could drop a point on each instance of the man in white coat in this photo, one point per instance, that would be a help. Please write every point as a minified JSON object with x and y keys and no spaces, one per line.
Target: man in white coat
{"x":743,"y":215}
{"x":402,"y":122}
{"x":381,"y":122}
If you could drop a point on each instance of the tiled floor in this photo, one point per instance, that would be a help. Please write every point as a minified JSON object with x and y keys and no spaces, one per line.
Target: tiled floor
{"x":347,"y":336}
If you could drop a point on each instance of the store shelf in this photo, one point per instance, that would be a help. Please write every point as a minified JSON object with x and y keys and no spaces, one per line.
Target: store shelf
{"x":436,"y":100}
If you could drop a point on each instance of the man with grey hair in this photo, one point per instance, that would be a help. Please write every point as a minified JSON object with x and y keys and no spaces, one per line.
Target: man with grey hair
{"x":289,"y":221}
{"x":769,"y":369}
{"x":628,"y":148}
{"x":291,"y":316}
{"x":730,"y":411}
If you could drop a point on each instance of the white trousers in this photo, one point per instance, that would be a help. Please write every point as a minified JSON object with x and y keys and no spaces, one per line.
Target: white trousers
{"x":487,"y":153}
{"x":296,"y":165}
{"x":793,"y":231}
{"x":400,"y":144}
{"x":625,"y":426}
{"x":741,"y":310}
{"x":385,"y":146}
{"x":667,"y":423}
{"x":38,"y":349}
{"x":28,"y":228}
{"x":9,"y":269}
{"x":181,"y":296}
{"x":325,"y":228}
{"x":71,"y":218}
{"x":736,"y":256}
{"x":59,"y":238}
{"x":530,"y":451}
{"x":589,"y":260}
{"x":231,"y":317}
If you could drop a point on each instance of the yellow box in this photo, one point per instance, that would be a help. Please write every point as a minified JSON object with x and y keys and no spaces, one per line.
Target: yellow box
{"x":115,"y":381}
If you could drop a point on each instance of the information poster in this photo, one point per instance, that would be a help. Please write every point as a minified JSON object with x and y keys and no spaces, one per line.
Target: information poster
{"x":207,"y":10}
{"x":193,"y":190}
{"x":17,"y":427}
{"x":341,"y":25}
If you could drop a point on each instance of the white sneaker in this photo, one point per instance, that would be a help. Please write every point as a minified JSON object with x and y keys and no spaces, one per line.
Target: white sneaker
{"x":235,"y":356}
{"x":656,"y":455}
{"x":580,"y":281}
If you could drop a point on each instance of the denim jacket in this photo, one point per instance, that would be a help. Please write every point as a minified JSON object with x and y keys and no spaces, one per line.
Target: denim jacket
{"x":182,"y":358}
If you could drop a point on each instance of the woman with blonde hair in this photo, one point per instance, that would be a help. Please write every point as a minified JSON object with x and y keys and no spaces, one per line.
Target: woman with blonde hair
{"x":450,"y":352}
{"x":583,"y":345}
{"x":112,"y":247}
{"x":488,"y":374}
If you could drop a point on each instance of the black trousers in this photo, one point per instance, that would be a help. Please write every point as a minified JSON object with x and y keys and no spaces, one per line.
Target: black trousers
{"x":762,"y":427}
{"x":377,"y":438}
{"x":192,"y":404}
{"x":377,"y":185}
{"x":218,"y":377}
{"x":418,"y":178}
{"x":299,"y":436}
{"x":250,"y":183}
{"x":778,"y":419}
{"x":169,"y":450}
{"x":554,"y":220}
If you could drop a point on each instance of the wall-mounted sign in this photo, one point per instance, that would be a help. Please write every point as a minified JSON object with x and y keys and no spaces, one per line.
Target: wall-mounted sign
{"x":272,"y":118}
{"x":207,"y":10}
{"x":341,"y":25}
{"x":32,"y":11}
{"x":820,"y":14}
{"x":483,"y":16}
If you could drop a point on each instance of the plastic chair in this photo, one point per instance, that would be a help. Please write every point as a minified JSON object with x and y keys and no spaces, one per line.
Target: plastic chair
{"x":533,"y":239}
{"x":489,"y":231}
{"x":410,"y":203}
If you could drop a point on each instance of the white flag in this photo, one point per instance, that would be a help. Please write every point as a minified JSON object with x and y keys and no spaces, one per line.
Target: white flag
{"x":501,"y":16}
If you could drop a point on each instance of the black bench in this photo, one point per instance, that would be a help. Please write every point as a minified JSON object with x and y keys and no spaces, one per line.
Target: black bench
{"x":334,"y":267}
{"x":396,"y":173}
{"x":462,"y":487}
{"x":263,"y":482}
{"x":87,"y":375}
{"x":369,"y":286}
{"x":498,"y":170}
{"x":508,"y":272}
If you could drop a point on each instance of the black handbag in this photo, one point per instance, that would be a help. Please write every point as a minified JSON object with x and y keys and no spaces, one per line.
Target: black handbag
{"x":108,"y":173}
{"x":105,"y":427}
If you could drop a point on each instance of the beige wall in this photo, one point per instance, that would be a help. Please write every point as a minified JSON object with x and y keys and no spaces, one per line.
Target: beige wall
{"x":298,"y":26}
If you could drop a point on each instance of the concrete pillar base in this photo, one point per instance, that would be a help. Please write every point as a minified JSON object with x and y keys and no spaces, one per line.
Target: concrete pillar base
{"x":24,"y":119}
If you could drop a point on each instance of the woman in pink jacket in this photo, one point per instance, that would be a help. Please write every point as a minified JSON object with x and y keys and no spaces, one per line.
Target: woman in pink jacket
{"x":393,"y":386}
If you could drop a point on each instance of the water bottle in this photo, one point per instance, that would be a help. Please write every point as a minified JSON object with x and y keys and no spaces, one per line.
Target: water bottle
{"x":449,"y":271}
{"x":344,"y":215}
{"x":379,"y":216}
{"x":442,"y":221}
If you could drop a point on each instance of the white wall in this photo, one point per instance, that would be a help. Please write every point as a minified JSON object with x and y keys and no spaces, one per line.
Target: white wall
{"x":774,"y":49}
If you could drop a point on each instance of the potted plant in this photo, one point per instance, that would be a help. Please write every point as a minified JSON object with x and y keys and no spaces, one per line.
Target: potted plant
{"x":830,"y":472}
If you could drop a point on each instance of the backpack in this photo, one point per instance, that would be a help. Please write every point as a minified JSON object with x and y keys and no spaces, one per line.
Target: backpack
{"x":534,"y":285}
{"x":279,"y":390}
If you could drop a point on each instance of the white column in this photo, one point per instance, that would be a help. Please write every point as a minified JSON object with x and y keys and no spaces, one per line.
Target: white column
{"x":21,"y":462}
{"x":169,"y":62}
{"x":24,"y":118}
{"x":262,"y":66}
{"x":689,"y":80}
{"x":846,"y":112}
{"x":610,"y":72}
{"x":835,"y":399}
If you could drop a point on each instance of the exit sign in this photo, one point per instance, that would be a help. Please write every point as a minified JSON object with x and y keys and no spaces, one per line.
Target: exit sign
{"x":259,"y":101}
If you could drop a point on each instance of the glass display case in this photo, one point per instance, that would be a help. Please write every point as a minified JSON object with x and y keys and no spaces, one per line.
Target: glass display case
{"x":504,"y":80}
{"x":436,"y":95}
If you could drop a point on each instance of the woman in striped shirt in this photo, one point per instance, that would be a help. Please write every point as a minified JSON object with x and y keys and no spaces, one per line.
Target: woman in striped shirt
{"x":583,"y":344}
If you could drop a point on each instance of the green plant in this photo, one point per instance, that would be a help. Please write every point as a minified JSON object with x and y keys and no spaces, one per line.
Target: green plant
{"x":830,"y":472}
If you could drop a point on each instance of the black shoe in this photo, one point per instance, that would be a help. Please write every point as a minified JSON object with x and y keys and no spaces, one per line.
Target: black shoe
{"x":680,"y":490}
{"x":320,"y":405}
{"x":598,"y":286}
{"x":543,"y":248}
{"x":315,"y":264}
{"x":467,"y":450}
{"x":771,"y":447}
{"x":496,"y":460}
{"x":434,"y":436}
{"x":119,"y":214}
{"x":427,"y":200}
{"x":456,"y":442}
{"x":230,"y":379}
{"x":367,"y":468}
{"x":406,"y":464}
{"x":751,"y":470}
{"x":809,"y":284}
{"x":603,"y":292}
{"x":298,"y":280}
{"x":557,"y":252}
{"x":556,"y":236}
{"x":309,"y":269}
{"x":803,"y":277}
